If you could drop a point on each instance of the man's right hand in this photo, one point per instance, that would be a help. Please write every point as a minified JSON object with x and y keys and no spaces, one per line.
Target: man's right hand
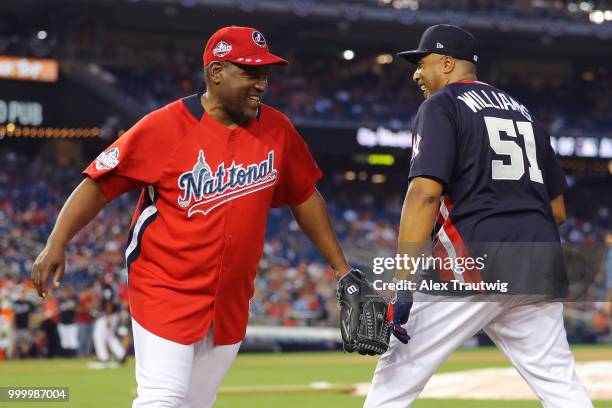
{"x":81,"y":207}
{"x":51,"y":261}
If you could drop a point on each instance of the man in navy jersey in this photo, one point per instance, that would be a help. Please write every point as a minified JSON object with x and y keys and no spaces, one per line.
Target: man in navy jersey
{"x":484,"y":171}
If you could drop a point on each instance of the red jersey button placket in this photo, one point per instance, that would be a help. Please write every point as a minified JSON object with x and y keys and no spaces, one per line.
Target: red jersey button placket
{"x":232,"y":157}
{"x":226,"y":235}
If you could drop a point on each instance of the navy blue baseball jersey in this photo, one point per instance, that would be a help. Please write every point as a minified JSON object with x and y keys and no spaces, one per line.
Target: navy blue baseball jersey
{"x":496,"y":163}
{"x":499,"y":173}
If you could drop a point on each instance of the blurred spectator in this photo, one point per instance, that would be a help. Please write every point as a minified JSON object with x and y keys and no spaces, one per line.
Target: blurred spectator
{"x":85,"y":319}
{"x":293,"y":286}
{"x":49,"y":325}
{"x":24,"y":310}
{"x":7,"y":331}
{"x":107,"y":322}
{"x":67,"y":327}
{"x":609,"y":262}
{"x":361,"y":91}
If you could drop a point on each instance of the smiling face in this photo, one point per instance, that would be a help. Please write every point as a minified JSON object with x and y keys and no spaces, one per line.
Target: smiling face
{"x":241,"y":88}
{"x":430,"y":74}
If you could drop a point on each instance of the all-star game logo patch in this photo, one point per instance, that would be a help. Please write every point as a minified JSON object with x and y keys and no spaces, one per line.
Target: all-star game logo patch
{"x":108,"y":159}
{"x":258,"y":38}
{"x":222,"y":49}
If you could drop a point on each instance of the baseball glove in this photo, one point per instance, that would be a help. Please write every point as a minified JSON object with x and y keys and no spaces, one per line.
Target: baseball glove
{"x":363,"y":315}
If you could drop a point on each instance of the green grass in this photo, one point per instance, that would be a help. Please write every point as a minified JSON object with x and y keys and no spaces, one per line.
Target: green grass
{"x":279,"y":373}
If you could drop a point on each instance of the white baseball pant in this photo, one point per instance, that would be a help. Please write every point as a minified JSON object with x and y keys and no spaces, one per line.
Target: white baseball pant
{"x":104,"y":338}
{"x":69,"y":336}
{"x":531,"y":336}
{"x":173,"y":375}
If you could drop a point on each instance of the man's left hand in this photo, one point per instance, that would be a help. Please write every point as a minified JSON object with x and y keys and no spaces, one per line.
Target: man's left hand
{"x":400,"y":313}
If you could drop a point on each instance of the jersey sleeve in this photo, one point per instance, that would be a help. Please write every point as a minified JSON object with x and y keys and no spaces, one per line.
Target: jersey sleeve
{"x":434,"y":142}
{"x":553,"y":174}
{"x":299,"y":173}
{"x":135,"y":159}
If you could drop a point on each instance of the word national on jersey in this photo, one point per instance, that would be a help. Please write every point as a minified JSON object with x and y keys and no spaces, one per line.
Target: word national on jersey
{"x":209,"y":190}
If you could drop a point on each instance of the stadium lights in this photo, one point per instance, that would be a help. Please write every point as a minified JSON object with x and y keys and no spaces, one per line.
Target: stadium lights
{"x":41,"y":35}
{"x":405,"y":4}
{"x":378,"y":178}
{"x":384,"y":59}
{"x":11,"y":130}
{"x":348,"y":55}
{"x":597,"y":16}
{"x":349,"y":176}
{"x":586,"y":6}
{"x":608,"y":15}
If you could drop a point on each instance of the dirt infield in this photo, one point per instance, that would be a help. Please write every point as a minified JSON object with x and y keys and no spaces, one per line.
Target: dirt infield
{"x":507,"y":384}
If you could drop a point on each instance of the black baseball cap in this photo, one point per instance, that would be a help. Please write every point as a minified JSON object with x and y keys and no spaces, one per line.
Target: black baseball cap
{"x":444,"y":39}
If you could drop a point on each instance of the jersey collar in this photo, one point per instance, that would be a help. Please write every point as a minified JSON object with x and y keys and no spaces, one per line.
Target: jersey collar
{"x":194,"y":106}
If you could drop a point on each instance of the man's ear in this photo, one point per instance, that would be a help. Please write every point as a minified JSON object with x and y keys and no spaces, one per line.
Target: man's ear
{"x":448,"y":64}
{"x":215,"y":71}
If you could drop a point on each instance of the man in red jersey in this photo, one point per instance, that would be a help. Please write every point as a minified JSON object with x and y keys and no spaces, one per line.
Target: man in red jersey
{"x":209,"y":167}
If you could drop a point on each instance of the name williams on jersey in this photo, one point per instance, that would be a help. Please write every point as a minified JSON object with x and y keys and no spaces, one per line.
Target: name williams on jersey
{"x":203,"y":190}
{"x":477,"y":100}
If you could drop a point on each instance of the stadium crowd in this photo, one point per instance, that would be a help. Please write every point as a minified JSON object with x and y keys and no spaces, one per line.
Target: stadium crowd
{"x":293,"y":287}
{"x":361,"y":91}
{"x":566,"y":10}
{"x":321,"y":85}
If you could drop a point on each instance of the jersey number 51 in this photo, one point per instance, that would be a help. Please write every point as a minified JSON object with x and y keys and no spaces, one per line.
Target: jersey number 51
{"x":516,"y":168}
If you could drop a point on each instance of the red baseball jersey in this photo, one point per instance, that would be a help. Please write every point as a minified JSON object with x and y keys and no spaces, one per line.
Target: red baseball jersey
{"x":197,"y":234}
